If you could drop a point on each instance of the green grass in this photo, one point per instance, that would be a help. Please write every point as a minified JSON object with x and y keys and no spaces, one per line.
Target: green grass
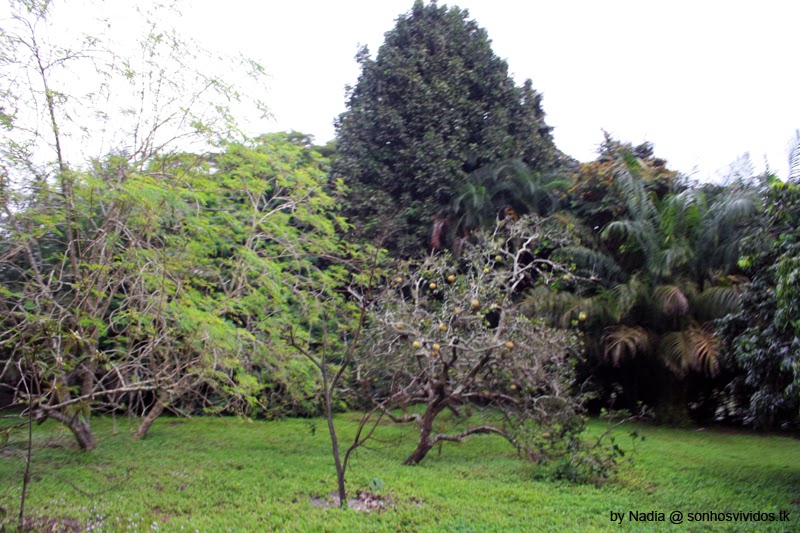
{"x":213,"y":474}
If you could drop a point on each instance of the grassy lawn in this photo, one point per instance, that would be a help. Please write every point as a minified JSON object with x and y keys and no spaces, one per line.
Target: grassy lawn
{"x":213,"y":474}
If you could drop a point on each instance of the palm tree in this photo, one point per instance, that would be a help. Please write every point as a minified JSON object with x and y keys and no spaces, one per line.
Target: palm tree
{"x":794,"y":157}
{"x":669,"y":270}
{"x":505,"y":189}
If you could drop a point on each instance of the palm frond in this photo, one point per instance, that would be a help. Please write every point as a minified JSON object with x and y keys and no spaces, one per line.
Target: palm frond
{"x":562,"y":309}
{"x":671,"y":300}
{"x":736,"y":206}
{"x":591,"y":263}
{"x":625,"y":342}
{"x":676,"y":257}
{"x":725,"y":224}
{"x":676,"y":352}
{"x":596,"y":310}
{"x":694,"y":348}
{"x":623,"y":230}
{"x":640,"y":206}
{"x":628,"y":295}
{"x":705,"y":350}
{"x":548,"y":304}
{"x":682,"y":213}
{"x":492,"y":188}
{"x":718,"y":301}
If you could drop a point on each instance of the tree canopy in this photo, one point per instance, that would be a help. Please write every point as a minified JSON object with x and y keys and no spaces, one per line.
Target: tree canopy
{"x":435,"y":105}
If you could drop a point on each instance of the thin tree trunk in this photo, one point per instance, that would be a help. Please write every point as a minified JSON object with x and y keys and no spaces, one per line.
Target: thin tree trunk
{"x":27,"y":477}
{"x":335,"y":445}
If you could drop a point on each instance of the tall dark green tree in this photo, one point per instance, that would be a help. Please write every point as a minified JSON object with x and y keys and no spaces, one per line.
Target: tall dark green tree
{"x":433,"y":106}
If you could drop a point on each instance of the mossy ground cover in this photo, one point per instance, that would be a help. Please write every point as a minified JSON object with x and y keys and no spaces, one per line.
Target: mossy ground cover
{"x":226,"y":474}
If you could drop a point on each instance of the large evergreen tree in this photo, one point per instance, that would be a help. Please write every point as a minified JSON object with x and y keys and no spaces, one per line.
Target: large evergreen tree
{"x":433,"y":106}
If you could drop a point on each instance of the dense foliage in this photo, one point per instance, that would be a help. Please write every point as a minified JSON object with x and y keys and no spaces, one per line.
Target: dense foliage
{"x":151,"y":277}
{"x":435,"y":105}
{"x":186,"y":272}
{"x":660,"y":269}
{"x":764,"y":336}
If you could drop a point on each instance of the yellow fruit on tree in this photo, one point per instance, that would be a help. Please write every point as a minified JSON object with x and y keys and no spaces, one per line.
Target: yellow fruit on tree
{"x":436,"y":347}
{"x":476,"y":303}
{"x":417,"y":345}
{"x":513,"y":387}
{"x":442,"y":327}
{"x":487,"y":270}
{"x":451,"y":278}
{"x":398,"y":279}
{"x":509,"y":345}
{"x":432,"y":285}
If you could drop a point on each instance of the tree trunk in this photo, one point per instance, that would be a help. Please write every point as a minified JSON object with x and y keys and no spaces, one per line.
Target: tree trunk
{"x":87,"y":380}
{"x":151,"y":417}
{"x":424,"y":444}
{"x":340,"y":481}
{"x":80,"y":428}
{"x":673,"y":403}
{"x":26,"y":480}
{"x":88,"y":368}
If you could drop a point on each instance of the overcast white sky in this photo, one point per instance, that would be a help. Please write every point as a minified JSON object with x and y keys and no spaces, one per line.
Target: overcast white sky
{"x":704,"y":80}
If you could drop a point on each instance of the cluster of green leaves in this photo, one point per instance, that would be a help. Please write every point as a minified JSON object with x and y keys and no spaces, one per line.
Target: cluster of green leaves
{"x":593,"y":196}
{"x":202,"y":264}
{"x":287,"y":264}
{"x":764,"y":336}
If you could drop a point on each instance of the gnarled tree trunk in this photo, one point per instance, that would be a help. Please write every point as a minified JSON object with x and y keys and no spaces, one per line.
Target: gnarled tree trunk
{"x":425,"y":442}
{"x":80,"y":427}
